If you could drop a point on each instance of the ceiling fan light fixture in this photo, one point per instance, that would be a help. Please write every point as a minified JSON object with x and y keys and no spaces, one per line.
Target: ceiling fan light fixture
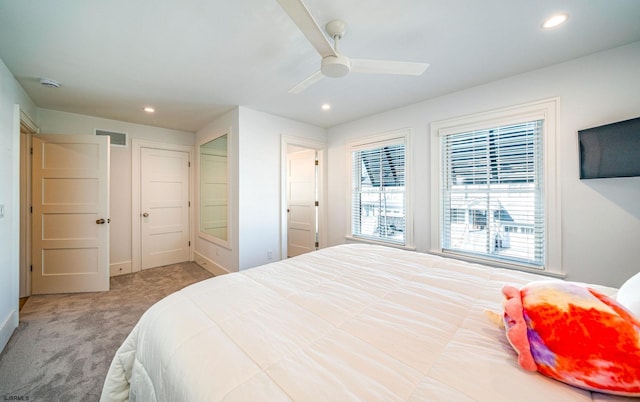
{"x":336,"y":29}
{"x":335,"y":66}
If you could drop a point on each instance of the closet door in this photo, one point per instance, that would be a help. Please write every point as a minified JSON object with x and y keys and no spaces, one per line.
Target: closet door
{"x":164,"y":206}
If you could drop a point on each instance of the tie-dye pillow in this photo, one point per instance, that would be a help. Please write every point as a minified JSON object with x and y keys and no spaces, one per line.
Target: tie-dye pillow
{"x":574,"y":334}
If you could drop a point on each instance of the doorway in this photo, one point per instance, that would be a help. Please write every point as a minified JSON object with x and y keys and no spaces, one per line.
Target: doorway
{"x":27,"y":129}
{"x":63,"y":196}
{"x":302,"y":225}
{"x":302,"y":201}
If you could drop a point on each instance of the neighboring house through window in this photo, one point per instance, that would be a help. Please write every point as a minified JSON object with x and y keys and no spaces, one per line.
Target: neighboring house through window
{"x":495,"y":196}
{"x":379,"y":209}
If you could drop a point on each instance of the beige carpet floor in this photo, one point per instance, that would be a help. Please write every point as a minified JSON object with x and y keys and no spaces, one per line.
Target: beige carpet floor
{"x":64,"y":343}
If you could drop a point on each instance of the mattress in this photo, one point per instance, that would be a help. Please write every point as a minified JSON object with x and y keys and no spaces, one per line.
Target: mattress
{"x":347,"y":323}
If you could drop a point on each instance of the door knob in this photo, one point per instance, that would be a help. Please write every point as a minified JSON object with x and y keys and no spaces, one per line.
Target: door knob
{"x":145,"y":215}
{"x":100,"y":221}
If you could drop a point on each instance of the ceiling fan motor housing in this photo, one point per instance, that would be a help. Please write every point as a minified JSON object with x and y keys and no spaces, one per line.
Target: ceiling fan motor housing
{"x":335,"y":66}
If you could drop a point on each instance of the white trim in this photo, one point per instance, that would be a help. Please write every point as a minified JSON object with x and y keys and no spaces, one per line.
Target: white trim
{"x":136,"y":149}
{"x":546,"y":109}
{"x":28,"y":121}
{"x":379,"y":243}
{"x":25,"y":216}
{"x":209,"y":264}
{"x":321,"y":148}
{"x":494,"y":263}
{"x":119,"y":268}
{"x":378,"y":140}
{"x":8,"y":326}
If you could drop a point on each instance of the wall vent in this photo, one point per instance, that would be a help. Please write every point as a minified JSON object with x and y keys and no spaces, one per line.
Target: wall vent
{"x":117,"y":139}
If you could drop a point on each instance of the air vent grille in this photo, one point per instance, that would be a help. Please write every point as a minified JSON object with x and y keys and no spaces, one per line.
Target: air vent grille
{"x":117,"y":139}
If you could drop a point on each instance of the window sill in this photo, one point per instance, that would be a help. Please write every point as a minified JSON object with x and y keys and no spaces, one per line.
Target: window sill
{"x":380,"y":243}
{"x":497,"y":264}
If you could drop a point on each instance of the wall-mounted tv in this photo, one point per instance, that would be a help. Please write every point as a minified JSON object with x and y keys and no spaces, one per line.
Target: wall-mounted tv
{"x":612,"y":150}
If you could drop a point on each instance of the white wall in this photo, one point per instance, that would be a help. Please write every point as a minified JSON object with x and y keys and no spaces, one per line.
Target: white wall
{"x":260,"y":180}
{"x":254,"y":157}
{"x":54,"y":122}
{"x":600,"y":218}
{"x":11,"y":94}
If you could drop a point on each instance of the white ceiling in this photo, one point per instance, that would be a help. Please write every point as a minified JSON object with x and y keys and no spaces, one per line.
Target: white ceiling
{"x":195,"y":59}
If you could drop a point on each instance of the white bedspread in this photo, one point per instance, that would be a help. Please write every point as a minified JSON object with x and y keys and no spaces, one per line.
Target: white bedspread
{"x":352,"y":322}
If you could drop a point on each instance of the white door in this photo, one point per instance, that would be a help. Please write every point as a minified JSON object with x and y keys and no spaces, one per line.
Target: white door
{"x":301,"y":197}
{"x":70,"y":221}
{"x":164,"y":206}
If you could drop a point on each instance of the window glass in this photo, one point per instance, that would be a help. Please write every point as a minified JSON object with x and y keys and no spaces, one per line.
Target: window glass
{"x":378,"y":194}
{"x":492,"y":193}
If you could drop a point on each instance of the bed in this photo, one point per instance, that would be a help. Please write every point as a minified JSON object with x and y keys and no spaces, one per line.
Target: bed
{"x":350,"y":322}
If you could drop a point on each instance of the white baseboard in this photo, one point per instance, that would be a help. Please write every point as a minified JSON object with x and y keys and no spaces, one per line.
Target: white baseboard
{"x":208,"y":264}
{"x":8,"y":326}
{"x":120,"y":268}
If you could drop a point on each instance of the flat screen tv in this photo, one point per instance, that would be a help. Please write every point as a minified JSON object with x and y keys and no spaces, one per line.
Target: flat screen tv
{"x":612,"y":150}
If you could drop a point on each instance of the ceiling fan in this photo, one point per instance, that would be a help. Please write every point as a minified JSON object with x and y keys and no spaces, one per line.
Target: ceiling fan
{"x":333,"y":63}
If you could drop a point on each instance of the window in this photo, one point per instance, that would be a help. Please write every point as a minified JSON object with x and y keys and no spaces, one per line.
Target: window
{"x":378,"y":210}
{"x":496,"y":199}
{"x":494,"y":175}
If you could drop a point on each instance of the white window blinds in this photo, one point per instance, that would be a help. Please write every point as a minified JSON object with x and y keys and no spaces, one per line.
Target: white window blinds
{"x":492,"y":193}
{"x":378,"y":207}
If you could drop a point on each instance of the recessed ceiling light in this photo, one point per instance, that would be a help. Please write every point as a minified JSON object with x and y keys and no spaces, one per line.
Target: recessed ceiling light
{"x":554,"y":21}
{"x":149,"y":109}
{"x":326,"y":106}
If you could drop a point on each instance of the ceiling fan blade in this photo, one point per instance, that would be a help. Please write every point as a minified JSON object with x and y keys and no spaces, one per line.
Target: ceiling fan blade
{"x":301,"y":16}
{"x":387,"y":67}
{"x":307,"y":82}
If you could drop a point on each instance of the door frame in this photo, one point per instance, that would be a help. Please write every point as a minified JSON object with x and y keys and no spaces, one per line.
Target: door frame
{"x":30,"y":127}
{"x":136,"y":194}
{"x":321,"y":148}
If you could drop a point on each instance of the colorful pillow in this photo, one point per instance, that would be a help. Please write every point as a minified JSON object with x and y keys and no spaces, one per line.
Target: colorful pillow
{"x":574,"y":334}
{"x":629,"y":295}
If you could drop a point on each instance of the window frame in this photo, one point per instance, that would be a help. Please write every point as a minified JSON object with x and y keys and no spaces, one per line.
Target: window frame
{"x":401,"y":136}
{"x":546,"y":110}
